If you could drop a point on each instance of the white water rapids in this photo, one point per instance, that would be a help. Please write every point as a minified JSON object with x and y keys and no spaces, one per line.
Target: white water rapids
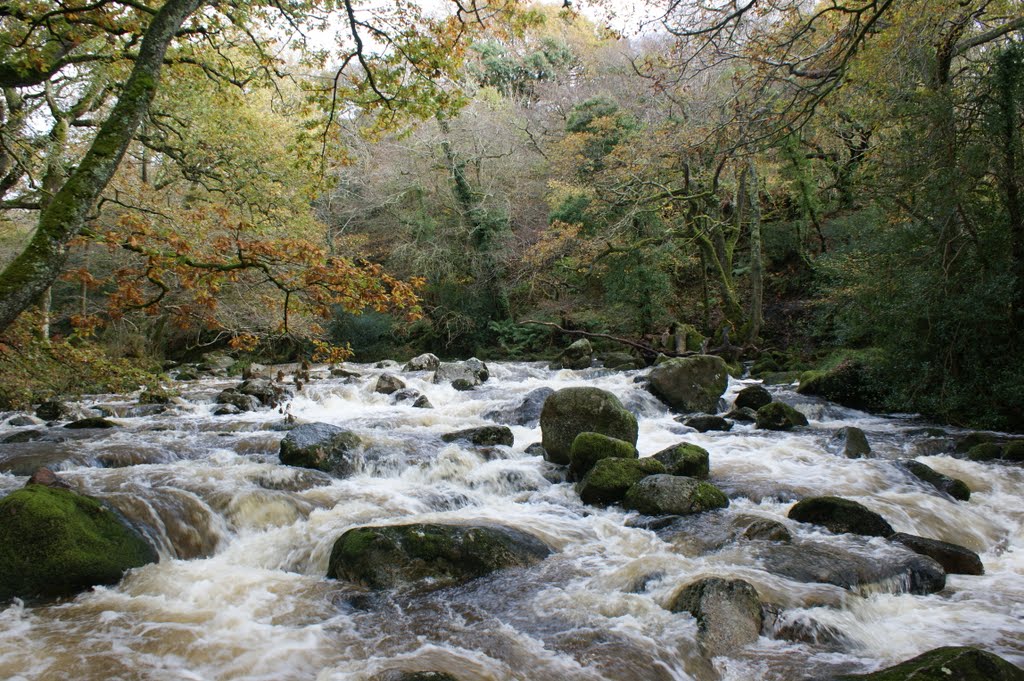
{"x":240,"y":591}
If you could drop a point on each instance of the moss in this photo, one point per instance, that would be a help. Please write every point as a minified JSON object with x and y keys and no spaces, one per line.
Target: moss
{"x":986,"y":451}
{"x":943,"y":664}
{"x":589,"y":448}
{"x":572,"y":411}
{"x":849,"y":378}
{"x":1014,"y":451}
{"x":54,"y":542}
{"x":685,"y":459}
{"x":609,"y":480}
{"x":707,"y":496}
{"x":779,"y":416}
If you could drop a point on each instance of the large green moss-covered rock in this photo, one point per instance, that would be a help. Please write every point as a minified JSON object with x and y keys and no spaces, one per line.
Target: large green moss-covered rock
{"x":779,"y":416}
{"x":690,"y":384}
{"x":673,"y":495}
{"x":321,"y":446}
{"x":851,"y":383}
{"x":430,"y":555}
{"x":572,"y":411}
{"x":589,"y":448}
{"x":609,"y":480}
{"x":753,"y":397}
{"x":840,"y":515}
{"x":685,"y":459}
{"x":946,"y":664}
{"x":579,"y":355}
{"x":54,"y":542}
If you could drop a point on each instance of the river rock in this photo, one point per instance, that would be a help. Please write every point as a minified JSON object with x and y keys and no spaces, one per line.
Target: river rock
{"x":22,"y":420}
{"x":840,"y":515}
{"x":430,"y":555}
{"x":470,"y":373}
{"x":955,"y":488}
{"x":30,"y":435}
{"x":402,"y":675}
{"x":54,"y":542}
{"x":269,"y":394}
{"x":690,"y":384}
{"x":91,"y":422}
{"x":320,"y":446}
{"x":895,"y":571}
{"x":231,"y":397}
{"x":685,"y":459}
{"x":231,"y":409}
{"x":579,"y":355}
{"x":405,"y":395}
{"x":484,"y":436}
{"x":728,"y":613}
{"x":572,"y":411}
{"x":422,"y":403}
{"x":854,"y":442}
{"x":779,"y":416}
{"x":47,"y":478}
{"x":945,"y":664}
{"x":534,"y":449}
{"x":621,"y":361}
{"x":610,"y":478}
{"x":954,"y":559}
{"x":744,"y":414}
{"x":850,"y":384}
{"x":765,"y":529}
{"x":53,"y":410}
{"x":702,"y":423}
{"x":424,"y":362}
{"x":387,"y":384}
{"x":589,"y":448}
{"x":528,"y":411}
{"x":673,"y":495}
{"x":216,"y":361}
{"x":752,"y":397}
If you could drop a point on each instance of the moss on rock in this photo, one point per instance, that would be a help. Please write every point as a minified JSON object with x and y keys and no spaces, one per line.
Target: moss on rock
{"x":572,"y":411}
{"x":54,"y":542}
{"x":673,"y":495}
{"x":690,"y":384}
{"x":947,"y":664}
{"x":609,"y":480}
{"x":589,"y":448}
{"x":685,"y":459}
{"x":779,"y":416}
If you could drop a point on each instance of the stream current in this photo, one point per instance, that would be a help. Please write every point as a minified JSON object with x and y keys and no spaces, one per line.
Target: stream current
{"x":240,"y":591}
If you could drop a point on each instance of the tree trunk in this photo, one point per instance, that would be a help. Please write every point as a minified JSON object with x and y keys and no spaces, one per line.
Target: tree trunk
{"x":25,"y":279}
{"x":756,"y":262}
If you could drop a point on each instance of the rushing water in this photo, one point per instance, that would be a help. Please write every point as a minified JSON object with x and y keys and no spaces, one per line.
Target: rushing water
{"x":240,"y":591}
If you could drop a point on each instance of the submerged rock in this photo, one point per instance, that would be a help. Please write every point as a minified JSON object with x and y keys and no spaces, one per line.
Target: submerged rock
{"x":54,"y":542}
{"x":752,"y":397}
{"x":702,"y":423}
{"x":954,"y":559}
{"x":484,"y":436}
{"x":430,"y":555}
{"x":854,"y":442}
{"x":685,"y":459}
{"x":320,"y":446}
{"x":841,"y":515}
{"x":673,"y":495}
{"x":779,"y":416}
{"x":572,"y":411}
{"x":528,"y":411}
{"x":579,"y":355}
{"x":690,"y":384}
{"x":424,"y":362}
{"x":609,"y":480}
{"x":91,"y":422}
{"x":728,"y":613}
{"x":402,"y":675}
{"x":955,"y":488}
{"x":946,"y":664}
{"x":589,"y":448}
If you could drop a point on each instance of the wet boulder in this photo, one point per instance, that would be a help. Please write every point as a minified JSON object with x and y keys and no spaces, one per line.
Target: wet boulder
{"x":610,"y":478}
{"x":853,"y":442}
{"x":703,"y":423}
{"x":54,"y":542}
{"x":528,"y":411}
{"x":852,"y":383}
{"x":468,"y":374}
{"x":22,"y":420}
{"x":579,"y":355}
{"x":690,"y":384}
{"x":387,"y":384}
{"x":752,"y":397}
{"x":892,"y":571}
{"x":217,"y":361}
{"x":841,"y":515}
{"x":424,"y":362}
{"x":430,"y":556}
{"x":47,"y":478}
{"x":955,"y":488}
{"x":589,"y":448}
{"x":405,"y":395}
{"x":269,"y":394}
{"x":946,"y":664}
{"x":744,"y":414}
{"x":54,"y":411}
{"x":320,"y":446}
{"x":422,"y":403}
{"x":954,"y":559}
{"x":685,"y":459}
{"x":231,"y":397}
{"x":673,"y":495}
{"x":96,"y":422}
{"x":484,"y":436}
{"x":621,"y":361}
{"x":572,"y":411}
{"x":766,"y":529}
{"x":728,"y":613}
{"x":779,"y":416}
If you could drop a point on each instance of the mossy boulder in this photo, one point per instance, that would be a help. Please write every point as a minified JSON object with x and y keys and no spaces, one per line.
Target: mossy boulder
{"x":852,"y":382}
{"x":484,"y":436}
{"x":320,"y":446}
{"x":96,"y":422}
{"x":728,"y":613}
{"x":779,"y":416}
{"x":955,"y":488}
{"x":1014,"y":451}
{"x":841,"y":515}
{"x":430,"y":556}
{"x":468,"y":374}
{"x":946,"y":664}
{"x":685,"y":459}
{"x":690,"y":384}
{"x":609,"y":480}
{"x":621,"y":361}
{"x":854,"y":442}
{"x":673,"y":495}
{"x":579,"y":355}
{"x":753,"y":397}
{"x":703,"y":423}
{"x":589,"y":448}
{"x":54,"y":542}
{"x":528,"y":411}
{"x":986,"y":451}
{"x":572,"y":411}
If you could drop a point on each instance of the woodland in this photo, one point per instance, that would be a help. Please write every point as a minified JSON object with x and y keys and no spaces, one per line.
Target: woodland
{"x":827,"y":187}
